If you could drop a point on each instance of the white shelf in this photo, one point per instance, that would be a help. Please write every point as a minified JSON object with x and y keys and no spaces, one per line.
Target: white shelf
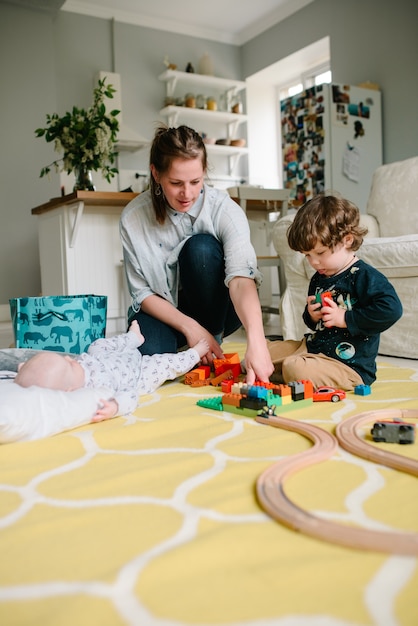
{"x":233,"y":153}
{"x":219,"y":150}
{"x":127,"y":145}
{"x":172,"y":77}
{"x":232,"y":120}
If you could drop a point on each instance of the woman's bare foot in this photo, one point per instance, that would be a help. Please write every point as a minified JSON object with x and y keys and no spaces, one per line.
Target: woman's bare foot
{"x":134,"y":328}
{"x":202,"y":347}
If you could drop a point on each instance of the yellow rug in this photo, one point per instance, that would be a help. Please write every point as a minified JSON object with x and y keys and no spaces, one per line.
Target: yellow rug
{"x":152,"y":520}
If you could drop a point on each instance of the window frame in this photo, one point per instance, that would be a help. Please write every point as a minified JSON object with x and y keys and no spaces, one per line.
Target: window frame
{"x":306,"y":80}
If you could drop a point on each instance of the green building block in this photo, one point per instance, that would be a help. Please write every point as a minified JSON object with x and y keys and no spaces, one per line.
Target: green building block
{"x":214,"y":403}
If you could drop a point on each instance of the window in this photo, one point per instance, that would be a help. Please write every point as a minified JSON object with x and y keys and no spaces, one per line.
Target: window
{"x":294,"y":89}
{"x":323,"y":77}
{"x":316,"y":76}
{"x":263,"y":108}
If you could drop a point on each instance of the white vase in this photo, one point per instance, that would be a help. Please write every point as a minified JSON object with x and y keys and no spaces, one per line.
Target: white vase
{"x":206,"y":65}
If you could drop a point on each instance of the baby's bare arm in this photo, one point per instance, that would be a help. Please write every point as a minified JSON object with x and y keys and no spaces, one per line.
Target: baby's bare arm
{"x":202,"y":347}
{"x":105,"y":410}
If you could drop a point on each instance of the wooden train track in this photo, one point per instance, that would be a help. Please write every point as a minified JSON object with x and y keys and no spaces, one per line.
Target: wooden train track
{"x":272,"y":496}
{"x":349,"y":439}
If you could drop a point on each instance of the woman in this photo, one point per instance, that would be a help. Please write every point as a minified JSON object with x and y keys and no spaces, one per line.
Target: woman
{"x":191,"y":269}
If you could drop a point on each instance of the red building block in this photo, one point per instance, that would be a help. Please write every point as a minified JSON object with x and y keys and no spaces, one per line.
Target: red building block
{"x":229,"y":362}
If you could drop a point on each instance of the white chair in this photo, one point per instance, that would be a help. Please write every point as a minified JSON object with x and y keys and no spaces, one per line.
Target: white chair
{"x":391,"y":216}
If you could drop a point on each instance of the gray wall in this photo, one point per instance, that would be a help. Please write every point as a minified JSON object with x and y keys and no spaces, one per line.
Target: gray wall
{"x":27,"y":92}
{"x":48,"y":63}
{"x":51,"y":64}
{"x":371,"y":40}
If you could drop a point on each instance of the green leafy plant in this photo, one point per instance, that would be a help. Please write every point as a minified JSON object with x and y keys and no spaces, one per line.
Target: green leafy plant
{"x":85,"y":137}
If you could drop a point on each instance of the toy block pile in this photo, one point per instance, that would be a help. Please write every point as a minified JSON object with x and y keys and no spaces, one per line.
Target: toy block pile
{"x":227,"y":368}
{"x":260,"y":398}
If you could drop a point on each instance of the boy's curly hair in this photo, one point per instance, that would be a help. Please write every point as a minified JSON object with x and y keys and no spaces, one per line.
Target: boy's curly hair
{"x":326,"y":219}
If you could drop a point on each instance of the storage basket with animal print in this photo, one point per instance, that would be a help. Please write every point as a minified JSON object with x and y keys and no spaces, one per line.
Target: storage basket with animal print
{"x":60,"y":323}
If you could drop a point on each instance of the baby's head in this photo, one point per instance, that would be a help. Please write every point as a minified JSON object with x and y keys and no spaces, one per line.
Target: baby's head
{"x":326,"y":219}
{"x":52,"y":371}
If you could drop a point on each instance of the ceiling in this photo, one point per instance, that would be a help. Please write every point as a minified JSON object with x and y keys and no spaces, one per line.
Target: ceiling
{"x":226,"y":21}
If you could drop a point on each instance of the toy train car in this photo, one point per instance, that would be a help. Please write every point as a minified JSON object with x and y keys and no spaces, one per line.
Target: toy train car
{"x":393,"y":431}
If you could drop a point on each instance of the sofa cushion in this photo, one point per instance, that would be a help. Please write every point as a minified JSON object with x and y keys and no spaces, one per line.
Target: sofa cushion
{"x":395,"y":257}
{"x":393,"y":198}
{"x":369,"y":222}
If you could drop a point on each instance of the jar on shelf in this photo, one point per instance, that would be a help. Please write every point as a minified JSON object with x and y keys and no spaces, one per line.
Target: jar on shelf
{"x":236,"y":104}
{"x":200,"y":101}
{"x":223,"y":102}
{"x":211,"y":104}
{"x":169,"y":101}
{"x":190,"y":100}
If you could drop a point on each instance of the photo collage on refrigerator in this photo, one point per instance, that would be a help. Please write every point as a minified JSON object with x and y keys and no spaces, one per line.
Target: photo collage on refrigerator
{"x":303,"y":137}
{"x":330,"y":136}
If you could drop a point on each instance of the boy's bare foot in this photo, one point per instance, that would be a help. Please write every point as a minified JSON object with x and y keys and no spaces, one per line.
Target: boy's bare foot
{"x":134,"y":328}
{"x":202,"y":347}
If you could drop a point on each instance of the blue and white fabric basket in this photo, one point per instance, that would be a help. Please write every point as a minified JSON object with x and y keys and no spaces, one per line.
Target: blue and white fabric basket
{"x":60,"y":323}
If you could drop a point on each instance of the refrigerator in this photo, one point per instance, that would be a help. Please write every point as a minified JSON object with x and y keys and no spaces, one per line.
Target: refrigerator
{"x":331,"y":140}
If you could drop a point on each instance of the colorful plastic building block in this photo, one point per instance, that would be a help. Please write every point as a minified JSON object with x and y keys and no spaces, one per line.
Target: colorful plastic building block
{"x":199,"y":378}
{"x":211,"y":403}
{"x":362,"y":390}
{"x":261,"y":398}
{"x":229,"y":362}
{"x":197,"y":375}
{"x":228,"y":368}
{"x":320,"y":297}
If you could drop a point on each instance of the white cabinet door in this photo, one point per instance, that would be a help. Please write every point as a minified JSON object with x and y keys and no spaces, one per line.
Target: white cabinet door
{"x":84,"y":256}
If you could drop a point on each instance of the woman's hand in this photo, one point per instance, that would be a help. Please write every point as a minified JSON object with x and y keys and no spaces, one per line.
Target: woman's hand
{"x":258,"y":363}
{"x":165,"y":312}
{"x":194,"y":332}
{"x":257,"y":360}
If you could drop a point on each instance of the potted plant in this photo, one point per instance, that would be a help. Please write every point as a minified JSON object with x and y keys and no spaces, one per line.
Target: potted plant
{"x":86,"y":138}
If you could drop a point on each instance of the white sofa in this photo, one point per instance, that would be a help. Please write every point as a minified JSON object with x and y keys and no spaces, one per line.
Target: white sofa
{"x":391,"y":246}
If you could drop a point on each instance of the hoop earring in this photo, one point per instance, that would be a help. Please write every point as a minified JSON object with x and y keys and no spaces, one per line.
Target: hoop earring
{"x":158,"y":190}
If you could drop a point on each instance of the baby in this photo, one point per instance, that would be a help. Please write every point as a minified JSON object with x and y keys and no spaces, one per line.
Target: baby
{"x":115,"y":364}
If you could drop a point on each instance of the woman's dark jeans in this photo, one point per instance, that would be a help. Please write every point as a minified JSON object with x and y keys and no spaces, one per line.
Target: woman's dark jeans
{"x":203,"y":296}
